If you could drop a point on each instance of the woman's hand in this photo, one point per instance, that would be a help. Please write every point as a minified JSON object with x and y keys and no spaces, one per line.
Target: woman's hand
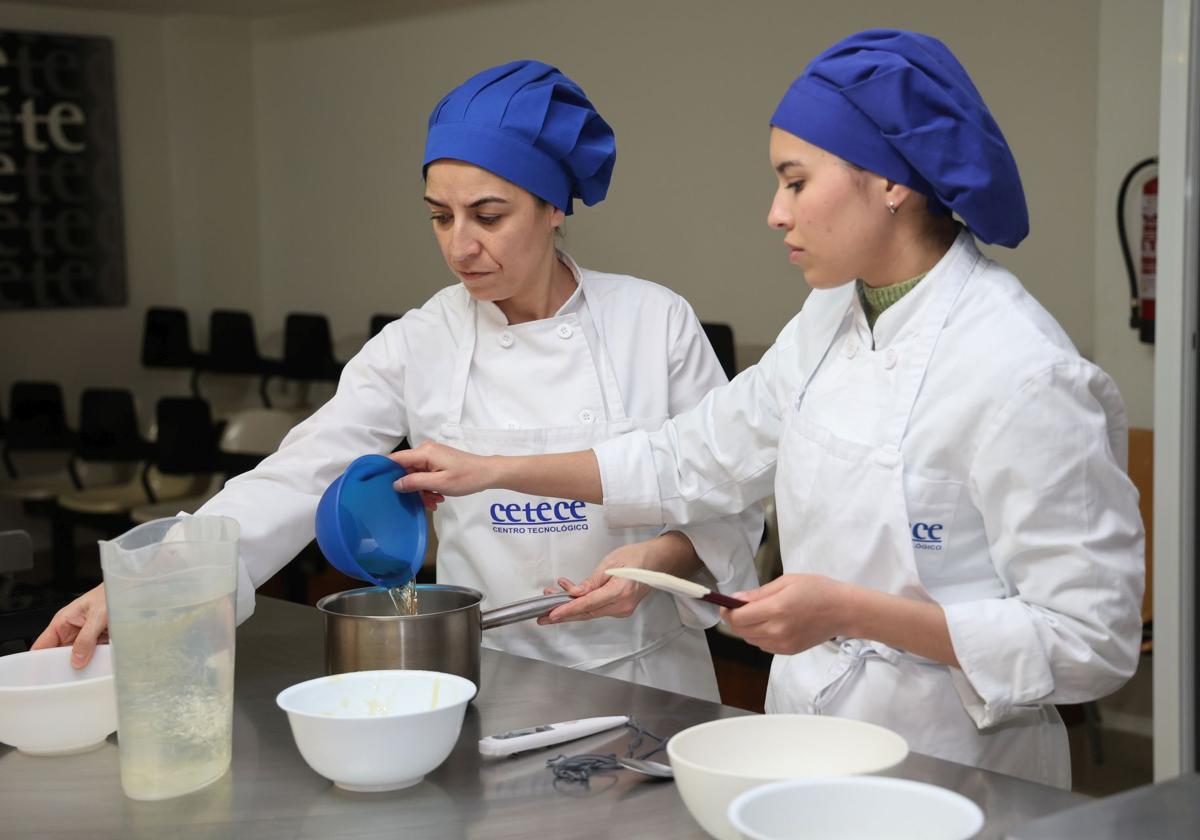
{"x":796,"y":612}
{"x":438,"y":471}
{"x":83,"y":624}
{"x":791,"y":613}
{"x":601,"y":595}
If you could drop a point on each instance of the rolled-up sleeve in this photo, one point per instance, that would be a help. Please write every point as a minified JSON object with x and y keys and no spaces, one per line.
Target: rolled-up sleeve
{"x":703,"y":473}
{"x":276,"y":501}
{"x":714,"y":460}
{"x":1066,"y":539}
{"x":725,"y":546}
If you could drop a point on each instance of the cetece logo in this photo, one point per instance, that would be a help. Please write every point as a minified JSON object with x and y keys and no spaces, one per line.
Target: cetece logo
{"x":926,"y":536}
{"x":538,"y":517}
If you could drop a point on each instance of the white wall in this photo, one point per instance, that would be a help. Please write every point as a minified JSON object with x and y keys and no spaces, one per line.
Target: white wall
{"x":214,"y":186}
{"x":81,"y":347}
{"x":274,"y":165}
{"x":1126,"y":132}
{"x":342,"y":102}
{"x":185,"y":133}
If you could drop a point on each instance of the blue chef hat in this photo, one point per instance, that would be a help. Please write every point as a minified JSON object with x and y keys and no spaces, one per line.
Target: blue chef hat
{"x":899,"y":104}
{"x":531,"y":125}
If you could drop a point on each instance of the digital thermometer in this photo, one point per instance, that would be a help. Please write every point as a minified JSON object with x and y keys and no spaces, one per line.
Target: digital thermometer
{"x":534,"y":737}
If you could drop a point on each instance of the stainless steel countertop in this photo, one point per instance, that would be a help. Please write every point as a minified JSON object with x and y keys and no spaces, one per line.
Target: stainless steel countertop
{"x":1165,"y":811}
{"x":271,"y":793}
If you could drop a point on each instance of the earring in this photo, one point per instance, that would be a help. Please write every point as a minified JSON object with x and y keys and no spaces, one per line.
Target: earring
{"x":892,"y":207}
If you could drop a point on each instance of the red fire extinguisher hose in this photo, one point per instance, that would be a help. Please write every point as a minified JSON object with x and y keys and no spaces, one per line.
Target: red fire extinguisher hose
{"x":1134,"y":294}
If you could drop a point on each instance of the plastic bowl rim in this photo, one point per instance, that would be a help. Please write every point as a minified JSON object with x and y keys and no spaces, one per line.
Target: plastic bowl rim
{"x":772,"y":777}
{"x":280,"y":699}
{"x":334,"y":522}
{"x":72,"y":684}
{"x":733,"y":812}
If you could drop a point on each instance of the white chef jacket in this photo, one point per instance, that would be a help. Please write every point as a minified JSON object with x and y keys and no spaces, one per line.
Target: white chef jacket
{"x":398,"y":387}
{"x":1015,"y":448}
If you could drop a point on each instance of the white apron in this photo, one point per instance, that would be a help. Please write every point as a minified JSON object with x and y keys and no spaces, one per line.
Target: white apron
{"x":510,"y":546}
{"x":844,"y":511}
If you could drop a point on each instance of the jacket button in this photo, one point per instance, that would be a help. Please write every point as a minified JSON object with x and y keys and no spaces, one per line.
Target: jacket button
{"x":889,"y":359}
{"x":887,"y":457}
{"x":506,"y":339}
{"x":586,"y":416}
{"x":564,"y":331}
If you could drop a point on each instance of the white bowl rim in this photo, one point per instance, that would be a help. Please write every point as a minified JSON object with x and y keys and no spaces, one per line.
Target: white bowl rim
{"x":734,"y":812}
{"x":281,"y":699}
{"x":771,"y":777}
{"x":68,"y":684}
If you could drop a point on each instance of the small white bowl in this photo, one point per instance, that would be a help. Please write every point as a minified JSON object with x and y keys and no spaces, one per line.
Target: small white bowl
{"x":716,"y":761}
{"x":49,"y":708}
{"x":377,"y":730}
{"x":854,"y":808}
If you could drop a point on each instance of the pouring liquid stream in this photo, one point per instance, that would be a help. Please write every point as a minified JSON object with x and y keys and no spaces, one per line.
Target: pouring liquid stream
{"x":404,"y":598}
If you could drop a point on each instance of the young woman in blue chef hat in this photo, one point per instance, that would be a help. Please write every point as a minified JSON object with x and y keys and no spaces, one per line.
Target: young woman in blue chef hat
{"x":962,"y":548}
{"x":528,"y":353}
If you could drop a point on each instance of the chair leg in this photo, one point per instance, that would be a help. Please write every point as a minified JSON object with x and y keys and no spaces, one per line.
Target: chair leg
{"x":9,"y":466}
{"x":1091,"y":724}
{"x":262,"y":391}
{"x":62,"y":534}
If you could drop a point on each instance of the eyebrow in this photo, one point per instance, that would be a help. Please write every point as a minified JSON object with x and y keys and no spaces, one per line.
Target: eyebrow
{"x":786,"y":164}
{"x":487,"y":199}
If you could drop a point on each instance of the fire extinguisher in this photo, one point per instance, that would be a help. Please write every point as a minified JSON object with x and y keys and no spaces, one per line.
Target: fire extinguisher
{"x":1141,"y":278}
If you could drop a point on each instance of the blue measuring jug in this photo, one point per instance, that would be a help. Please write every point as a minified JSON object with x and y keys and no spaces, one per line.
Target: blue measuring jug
{"x":369,"y":531}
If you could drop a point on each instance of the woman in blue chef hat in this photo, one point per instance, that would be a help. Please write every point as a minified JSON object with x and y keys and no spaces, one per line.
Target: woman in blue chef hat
{"x":962,"y":548}
{"x":528,"y":353}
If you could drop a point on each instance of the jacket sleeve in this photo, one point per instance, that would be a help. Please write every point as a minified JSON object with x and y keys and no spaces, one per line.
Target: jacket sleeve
{"x":1066,"y":539}
{"x":725,"y":546}
{"x":275,"y":503}
{"x":713,"y":460}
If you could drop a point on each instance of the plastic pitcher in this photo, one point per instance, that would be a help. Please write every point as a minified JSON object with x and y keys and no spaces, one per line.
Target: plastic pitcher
{"x":171,"y":586}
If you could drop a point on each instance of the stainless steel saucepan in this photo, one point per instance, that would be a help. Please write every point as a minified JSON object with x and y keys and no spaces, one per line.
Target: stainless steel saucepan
{"x":363,"y":632}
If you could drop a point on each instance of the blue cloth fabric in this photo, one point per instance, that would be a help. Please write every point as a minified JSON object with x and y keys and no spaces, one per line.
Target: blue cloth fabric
{"x":899,"y":104}
{"x":528,"y":123}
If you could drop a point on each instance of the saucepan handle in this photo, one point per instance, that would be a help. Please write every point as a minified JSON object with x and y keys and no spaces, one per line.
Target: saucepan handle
{"x":521,"y":610}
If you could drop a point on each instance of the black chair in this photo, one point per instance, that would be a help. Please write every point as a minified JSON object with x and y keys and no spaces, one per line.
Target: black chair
{"x":186,"y":443}
{"x":244,"y":440}
{"x":109,"y":434}
{"x":108,"y":428}
{"x":380,"y":320}
{"x":720,"y":336}
{"x":167,"y":343}
{"x":37,"y":422}
{"x":25,"y":609}
{"x":233,"y":349}
{"x":178,"y":464}
{"x":308,"y":349}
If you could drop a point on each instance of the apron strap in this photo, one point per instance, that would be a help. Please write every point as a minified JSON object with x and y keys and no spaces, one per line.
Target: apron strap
{"x":655,"y":644}
{"x":462,"y":364}
{"x":601,"y":359}
{"x":600,"y":355}
{"x":916,"y":366}
{"x":827,"y":340}
{"x":851,"y":655}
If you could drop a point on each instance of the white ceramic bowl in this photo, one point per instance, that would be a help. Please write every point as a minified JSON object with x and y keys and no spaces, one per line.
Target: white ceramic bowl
{"x":716,"y":761}
{"x":49,"y":708}
{"x":377,"y":730}
{"x":854,"y":808}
